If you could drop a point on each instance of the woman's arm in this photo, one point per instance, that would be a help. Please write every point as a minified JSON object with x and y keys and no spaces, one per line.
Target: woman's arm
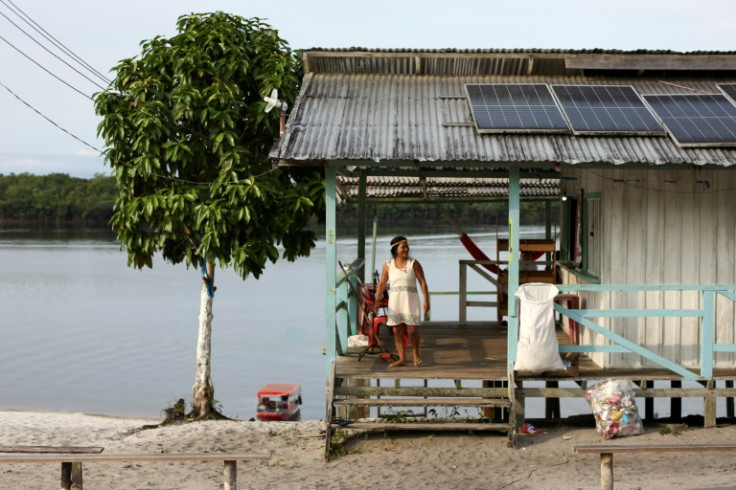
{"x":419,"y":272}
{"x":380,"y":288}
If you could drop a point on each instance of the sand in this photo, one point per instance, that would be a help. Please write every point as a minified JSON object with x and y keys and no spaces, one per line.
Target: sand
{"x":388,"y":461}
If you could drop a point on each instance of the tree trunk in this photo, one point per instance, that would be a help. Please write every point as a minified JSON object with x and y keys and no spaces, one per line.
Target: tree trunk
{"x":203,"y":392}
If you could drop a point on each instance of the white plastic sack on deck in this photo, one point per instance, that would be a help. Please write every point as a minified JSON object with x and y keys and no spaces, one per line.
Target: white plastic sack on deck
{"x":537,"y":350}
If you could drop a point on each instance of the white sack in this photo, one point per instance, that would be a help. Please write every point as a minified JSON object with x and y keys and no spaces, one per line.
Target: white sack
{"x":537,"y":350}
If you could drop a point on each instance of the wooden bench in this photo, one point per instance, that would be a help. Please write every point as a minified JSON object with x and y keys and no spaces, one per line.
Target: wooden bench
{"x":606,"y":451}
{"x":68,"y":456}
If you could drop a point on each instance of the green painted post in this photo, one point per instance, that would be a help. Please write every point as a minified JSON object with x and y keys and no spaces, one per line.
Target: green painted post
{"x":342,"y":316}
{"x":375,"y":237}
{"x":706,"y":338}
{"x":361,"y":224}
{"x":513,"y":332}
{"x":330,"y":266}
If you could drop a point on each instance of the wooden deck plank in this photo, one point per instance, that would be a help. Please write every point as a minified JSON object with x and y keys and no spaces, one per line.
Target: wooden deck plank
{"x":430,"y":427}
{"x":477,"y":351}
{"x":430,"y":402}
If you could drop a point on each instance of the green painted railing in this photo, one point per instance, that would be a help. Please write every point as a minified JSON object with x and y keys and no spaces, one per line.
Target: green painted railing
{"x":706,"y":314}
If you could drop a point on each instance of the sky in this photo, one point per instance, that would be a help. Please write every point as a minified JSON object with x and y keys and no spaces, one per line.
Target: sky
{"x":47,"y":119}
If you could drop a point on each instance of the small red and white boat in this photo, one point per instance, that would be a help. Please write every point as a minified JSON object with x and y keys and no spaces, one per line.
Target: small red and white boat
{"x":279,"y":401}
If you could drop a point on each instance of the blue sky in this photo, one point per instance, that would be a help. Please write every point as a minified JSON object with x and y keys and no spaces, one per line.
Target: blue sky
{"x":101,"y":33}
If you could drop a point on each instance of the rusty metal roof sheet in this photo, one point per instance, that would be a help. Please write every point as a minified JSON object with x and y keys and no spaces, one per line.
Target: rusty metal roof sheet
{"x":403,"y":187}
{"x":401,"y":118}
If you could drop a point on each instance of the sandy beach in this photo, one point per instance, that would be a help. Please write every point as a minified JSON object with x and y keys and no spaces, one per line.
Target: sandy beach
{"x":424,"y":460}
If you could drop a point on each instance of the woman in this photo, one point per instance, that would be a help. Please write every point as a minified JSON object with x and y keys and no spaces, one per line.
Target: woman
{"x":404,"y":308}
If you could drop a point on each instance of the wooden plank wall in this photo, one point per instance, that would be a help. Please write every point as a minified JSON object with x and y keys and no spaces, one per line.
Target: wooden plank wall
{"x":663,"y":227}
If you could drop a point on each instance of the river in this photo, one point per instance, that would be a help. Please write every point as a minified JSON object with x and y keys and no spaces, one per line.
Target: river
{"x":82,"y":332}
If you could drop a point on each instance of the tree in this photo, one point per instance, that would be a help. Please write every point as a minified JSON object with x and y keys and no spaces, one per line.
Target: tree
{"x":187,"y":137}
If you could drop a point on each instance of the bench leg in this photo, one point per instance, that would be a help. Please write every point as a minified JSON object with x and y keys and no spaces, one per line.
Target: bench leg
{"x":231,"y":475}
{"x":606,"y":471}
{"x":77,"y":480}
{"x":66,"y":476}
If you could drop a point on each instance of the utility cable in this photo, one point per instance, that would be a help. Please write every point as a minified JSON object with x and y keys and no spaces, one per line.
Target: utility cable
{"x":49,"y":120}
{"x":52,"y":53}
{"x":58,"y":44}
{"x":47,"y":71}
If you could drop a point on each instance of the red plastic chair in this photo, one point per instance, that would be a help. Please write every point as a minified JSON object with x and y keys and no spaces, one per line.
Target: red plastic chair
{"x":371,"y":323}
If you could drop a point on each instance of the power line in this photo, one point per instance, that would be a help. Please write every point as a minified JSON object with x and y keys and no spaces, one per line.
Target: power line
{"x":50,"y":52}
{"x":46,"y":70}
{"x":49,"y":120}
{"x":58,"y":44}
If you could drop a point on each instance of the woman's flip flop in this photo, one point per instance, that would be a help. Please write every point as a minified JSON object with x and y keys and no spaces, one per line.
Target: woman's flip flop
{"x":418,"y":362}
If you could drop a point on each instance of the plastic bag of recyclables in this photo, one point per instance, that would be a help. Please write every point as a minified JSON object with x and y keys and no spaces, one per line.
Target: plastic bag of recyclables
{"x":614,"y":407}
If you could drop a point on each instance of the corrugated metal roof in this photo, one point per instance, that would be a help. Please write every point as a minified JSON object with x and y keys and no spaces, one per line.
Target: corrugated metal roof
{"x":385,"y":187}
{"x":424,"y":118}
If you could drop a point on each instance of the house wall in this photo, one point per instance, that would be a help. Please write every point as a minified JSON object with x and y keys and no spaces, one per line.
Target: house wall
{"x":662,"y":227}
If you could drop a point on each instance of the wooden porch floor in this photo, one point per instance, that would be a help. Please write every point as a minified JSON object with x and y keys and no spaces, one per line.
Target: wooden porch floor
{"x":477,"y":351}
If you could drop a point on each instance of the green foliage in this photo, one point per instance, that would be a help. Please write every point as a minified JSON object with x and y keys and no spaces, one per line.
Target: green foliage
{"x":56,"y":198}
{"x":187,"y":138}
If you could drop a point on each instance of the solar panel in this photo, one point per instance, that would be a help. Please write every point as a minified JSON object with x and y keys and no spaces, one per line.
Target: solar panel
{"x":606,"y":109}
{"x":515,"y":108}
{"x":729,"y":89}
{"x":696,"y":120}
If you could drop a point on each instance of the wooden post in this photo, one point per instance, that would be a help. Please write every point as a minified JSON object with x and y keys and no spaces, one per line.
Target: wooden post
{"x":709,"y":405}
{"x":676,"y":403}
{"x":552,"y":405}
{"x":66,"y":476}
{"x":648,"y":401}
{"x":729,"y":400}
{"x":519,"y":409}
{"x":606,"y":471}
{"x":231,"y":475}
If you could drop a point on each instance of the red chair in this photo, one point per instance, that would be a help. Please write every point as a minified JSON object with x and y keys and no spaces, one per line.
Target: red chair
{"x":371,"y":323}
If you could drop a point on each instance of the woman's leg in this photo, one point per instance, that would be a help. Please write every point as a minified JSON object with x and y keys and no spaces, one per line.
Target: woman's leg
{"x":413,"y":332}
{"x":399,"y":331}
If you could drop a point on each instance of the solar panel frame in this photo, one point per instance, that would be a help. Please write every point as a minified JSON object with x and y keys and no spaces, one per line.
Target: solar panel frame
{"x":696,"y":120}
{"x":729,"y":89}
{"x":606,"y":110}
{"x":515,"y":108}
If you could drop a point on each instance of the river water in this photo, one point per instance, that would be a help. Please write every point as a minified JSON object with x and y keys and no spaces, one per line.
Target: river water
{"x":82,"y":332}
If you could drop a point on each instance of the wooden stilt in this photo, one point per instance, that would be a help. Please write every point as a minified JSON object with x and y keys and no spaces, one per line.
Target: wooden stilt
{"x":648,"y":402}
{"x":552,"y":405}
{"x":676,"y":403}
{"x":709,"y":405}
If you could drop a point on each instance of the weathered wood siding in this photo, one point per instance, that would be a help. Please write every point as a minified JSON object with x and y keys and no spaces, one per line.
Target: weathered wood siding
{"x":663,"y":227}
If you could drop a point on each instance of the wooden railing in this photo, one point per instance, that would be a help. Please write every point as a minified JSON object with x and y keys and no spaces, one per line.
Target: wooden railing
{"x":706,"y":313}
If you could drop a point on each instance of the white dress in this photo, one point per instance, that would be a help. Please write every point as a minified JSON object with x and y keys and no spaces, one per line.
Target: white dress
{"x":403,"y":300}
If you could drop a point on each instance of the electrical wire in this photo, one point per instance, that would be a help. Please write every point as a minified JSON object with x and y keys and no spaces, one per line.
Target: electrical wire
{"x":47,"y":71}
{"x":58,"y":44}
{"x":49,"y":120}
{"x":52,"y":54}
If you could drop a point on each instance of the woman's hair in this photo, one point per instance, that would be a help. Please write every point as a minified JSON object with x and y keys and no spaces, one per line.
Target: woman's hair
{"x":394,"y":241}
